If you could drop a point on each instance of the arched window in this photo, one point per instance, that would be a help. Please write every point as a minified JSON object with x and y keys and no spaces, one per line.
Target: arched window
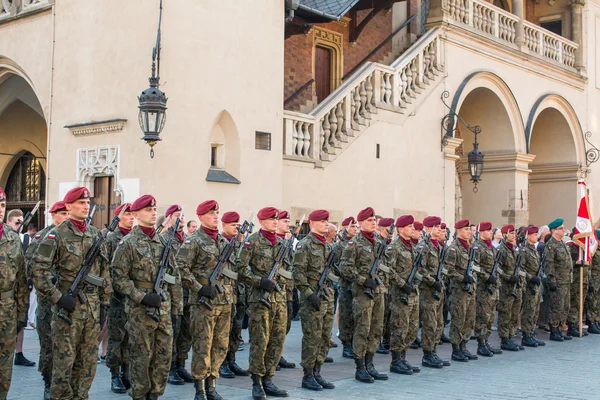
{"x":26,"y":186}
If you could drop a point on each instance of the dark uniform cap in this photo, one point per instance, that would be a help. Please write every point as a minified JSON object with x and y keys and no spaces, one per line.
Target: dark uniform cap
{"x":485,"y":226}
{"x":206,"y":206}
{"x":432,"y":221}
{"x":172,"y":209}
{"x":418,"y":225}
{"x":267,"y":212}
{"x":366,"y":213}
{"x":556,"y":223}
{"x":386,"y":222}
{"x":126,"y":206}
{"x":404,"y":220}
{"x":283,"y":214}
{"x":144,"y":201}
{"x":443,"y":225}
{"x":531,"y":229}
{"x":2,"y":195}
{"x":76,"y":194}
{"x":317,"y":215}
{"x":58,"y":206}
{"x":348,"y":221}
{"x":507,"y":228}
{"x":230,"y":216}
{"x":463,"y":223}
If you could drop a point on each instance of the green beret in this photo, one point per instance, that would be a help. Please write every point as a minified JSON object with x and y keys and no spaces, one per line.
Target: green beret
{"x":556,"y":223}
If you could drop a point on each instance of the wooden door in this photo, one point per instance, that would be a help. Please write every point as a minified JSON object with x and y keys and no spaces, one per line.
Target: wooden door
{"x":322,"y":72}
{"x":105,"y":201}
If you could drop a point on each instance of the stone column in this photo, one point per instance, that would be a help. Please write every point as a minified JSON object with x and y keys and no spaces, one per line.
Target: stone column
{"x":517,"y":9}
{"x":577,"y":31}
{"x":450,"y":158}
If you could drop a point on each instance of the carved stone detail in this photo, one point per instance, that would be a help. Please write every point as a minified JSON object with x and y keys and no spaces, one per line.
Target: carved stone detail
{"x":98,"y":161}
{"x":96,"y":128}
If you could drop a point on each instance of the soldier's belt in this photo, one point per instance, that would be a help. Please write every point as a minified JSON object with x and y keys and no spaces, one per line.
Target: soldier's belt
{"x":144,"y":285}
{"x":285,"y":274}
{"x":7,"y":295}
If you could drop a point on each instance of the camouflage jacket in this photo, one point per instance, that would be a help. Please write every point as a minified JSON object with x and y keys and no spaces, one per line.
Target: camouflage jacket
{"x":357,"y":259}
{"x":485,"y":261}
{"x":430,"y":263}
{"x":135,"y":266}
{"x":61,"y":254}
{"x":530,"y":261}
{"x":399,"y":258}
{"x":255,"y":260}
{"x":457,"y":259}
{"x":595,"y":266}
{"x":309,"y":262}
{"x":558,"y":265}
{"x":508,"y":262}
{"x":197,"y":259}
{"x":14,"y":294}
{"x":175,"y":246}
{"x":33,"y":246}
{"x":110,"y":245}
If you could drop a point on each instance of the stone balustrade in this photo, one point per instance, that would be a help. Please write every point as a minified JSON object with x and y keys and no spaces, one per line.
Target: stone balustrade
{"x":13,"y":8}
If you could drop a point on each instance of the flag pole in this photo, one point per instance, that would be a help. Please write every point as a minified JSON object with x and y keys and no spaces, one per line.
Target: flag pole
{"x":581,"y":294}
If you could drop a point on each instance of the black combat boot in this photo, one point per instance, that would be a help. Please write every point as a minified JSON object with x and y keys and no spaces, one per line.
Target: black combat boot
{"x":320,"y":380}
{"x":47,"y":384}
{"x":482,"y":349}
{"x":519,"y":346}
{"x":495,"y":350}
{"x":565,"y":336}
{"x":555,"y":334}
{"x":328,"y":360}
{"x":152,"y":396}
{"x":381,"y":349}
{"x":528,"y":341}
{"x":593,"y":328}
{"x":116,"y":384}
{"x":573,"y":330}
{"x":371,"y":368}
{"x":21,"y":360}
{"x":444,"y":338}
{"x":538,"y":341}
{"x":347,"y":350}
{"x":397,"y":366}
{"x":125,"y":376}
{"x":211,"y":389}
{"x":174,"y":378}
{"x":258,"y":392}
{"x":236,"y":369}
{"x":199,"y":386}
{"x":430,"y":360}
{"x":271,"y":389}
{"x":445,"y":363}
{"x":283,"y":363}
{"x":225,"y":372}
{"x":457,"y":354}
{"x":409,"y":365}
{"x":466,"y":352}
{"x":507,"y":344}
{"x":308,"y":380}
{"x":183,"y":373}
{"x":361,"y":373}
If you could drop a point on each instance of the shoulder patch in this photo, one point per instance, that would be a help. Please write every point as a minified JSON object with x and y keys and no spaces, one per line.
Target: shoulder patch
{"x":246,"y":244}
{"x":350,"y":243}
{"x":51,"y":236}
{"x":120,"y":243}
{"x":188,"y":241}
{"x":37,"y":236}
{"x":298,"y":247}
{"x":452,"y":250}
{"x":389,"y":247}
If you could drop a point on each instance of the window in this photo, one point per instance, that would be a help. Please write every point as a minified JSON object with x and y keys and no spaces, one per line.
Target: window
{"x":553,"y":26}
{"x":213,"y":156}
{"x":26,"y":185}
{"x":262,"y":141}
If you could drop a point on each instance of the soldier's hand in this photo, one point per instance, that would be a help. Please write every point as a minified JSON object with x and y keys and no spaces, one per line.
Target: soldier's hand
{"x":267,"y":284}
{"x":208,"y":291}
{"x":552,"y":287}
{"x":67,"y":302}
{"x":468,"y":279}
{"x":151,"y":300}
{"x":370,"y":283}
{"x":513,"y":279}
{"x":536,"y":280}
{"x":437,"y":286}
{"x":314,"y":301}
{"x":492,"y":280}
{"x":408,"y":288}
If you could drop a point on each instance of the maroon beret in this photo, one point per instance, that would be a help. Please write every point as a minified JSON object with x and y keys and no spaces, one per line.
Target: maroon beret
{"x":58,"y":206}
{"x":318,"y":215}
{"x":172,"y":209}
{"x":432,"y":221}
{"x":507,"y":228}
{"x":366,"y":213}
{"x":206,"y":206}
{"x":76,"y":193}
{"x":443,"y":225}
{"x":531,"y":229}
{"x":2,"y":195}
{"x":267,"y":212}
{"x":404,"y":220}
{"x":283,"y":214}
{"x":485,"y":226}
{"x":386,"y":222}
{"x":126,"y":206}
{"x":146,"y":200}
{"x":348,"y":221}
{"x":230,"y":216}
{"x":418,"y":225}
{"x":463,"y":223}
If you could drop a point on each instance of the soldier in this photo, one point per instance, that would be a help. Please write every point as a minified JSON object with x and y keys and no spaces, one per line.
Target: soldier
{"x":60,"y":256}
{"x":384,"y":345}
{"x":417,"y":235}
{"x":462,"y":301}
{"x":446,"y":311}
{"x":346,"y":317}
{"x":592,"y":300}
{"x":59,"y":214}
{"x":488,"y":292}
{"x":558,"y":268}
{"x":267,"y":325}
{"x":316,"y":304}
{"x":531,"y":301}
{"x":210,"y":308}
{"x":573,"y":314}
{"x":14,"y":296}
{"x":135,"y":266}
{"x":182,"y":337}
{"x":404,"y":296}
{"x":357,"y":260}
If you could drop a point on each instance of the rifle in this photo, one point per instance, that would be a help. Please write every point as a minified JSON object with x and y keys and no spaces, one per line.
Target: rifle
{"x":215,"y":276}
{"x":438,"y":277}
{"x":162,"y":278}
{"x":160,"y":228}
{"x":472,"y":249}
{"x":90,"y":215}
{"x":490,"y":287}
{"x":539,"y":273}
{"x":250,"y":228}
{"x":276,"y":270}
{"x":517,"y":271}
{"x":376,"y":267}
{"x":416,"y":264}
{"x":28,"y":217}
{"x":326,"y":274}
{"x":83,"y":275}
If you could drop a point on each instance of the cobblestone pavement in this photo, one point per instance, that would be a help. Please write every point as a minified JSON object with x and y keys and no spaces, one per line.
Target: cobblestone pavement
{"x":557,"y":371}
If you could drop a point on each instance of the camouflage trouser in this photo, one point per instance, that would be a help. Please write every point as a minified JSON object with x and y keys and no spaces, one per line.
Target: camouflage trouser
{"x":485,"y":310}
{"x":558,"y":304}
{"x":182,"y":342}
{"x":531,"y":308}
{"x":150,"y":347}
{"x":346,"y":319}
{"x":75,"y":353}
{"x":509,"y":309}
{"x":116,"y":354}
{"x":462,"y":313}
{"x":8,"y":342}
{"x":387,"y":311}
{"x":573,"y":316}
{"x":316,"y":331}
{"x":238,"y":311}
{"x":404,"y":322}
{"x":267,"y":336}
{"x":210,"y":339}
{"x":368,"y":315}
{"x":432,"y":318}
{"x":290,"y":309}
{"x":592,"y":300}
{"x":43,"y":316}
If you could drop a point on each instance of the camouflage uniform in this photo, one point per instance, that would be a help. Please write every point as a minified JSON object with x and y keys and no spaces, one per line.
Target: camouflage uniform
{"x":573,"y":316}
{"x":135,"y":267}
{"x":592,"y":300}
{"x":511,"y":294}
{"x":431,"y":309}
{"x":75,"y":347}
{"x":486,"y":301}
{"x":309,"y":262}
{"x":462,"y":304}
{"x":238,"y":312}
{"x":346,"y":316}
{"x":197,"y":259}
{"x":267,"y":326}
{"x":14,"y":297}
{"x":558,"y":268}
{"x":531,"y":302}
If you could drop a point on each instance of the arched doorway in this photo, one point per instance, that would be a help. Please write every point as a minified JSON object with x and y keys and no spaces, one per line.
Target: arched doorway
{"x":26,"y":186}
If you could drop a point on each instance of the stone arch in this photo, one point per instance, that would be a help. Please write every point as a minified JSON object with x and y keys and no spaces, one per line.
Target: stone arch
{"x":224,"y":150}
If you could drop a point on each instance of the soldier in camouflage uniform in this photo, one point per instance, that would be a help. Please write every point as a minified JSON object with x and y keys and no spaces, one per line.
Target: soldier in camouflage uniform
{"x":267,"y":326}
{"x":530,"y":264}
{"x":488,"y":291}
{"x":210,"y":308}
{"x":346,"y":317}
{"x":558,"y":268}
{"x":462,"y":301}
{"x":573,"y":313}
{"x":43,"y":312}
{"x":14,"y":296}
{"x":592,"y":299}
{"x":384,"y":346}
{"x":135,"y":267}
{"x":357,"y":260}
{"x":60,"y":256}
